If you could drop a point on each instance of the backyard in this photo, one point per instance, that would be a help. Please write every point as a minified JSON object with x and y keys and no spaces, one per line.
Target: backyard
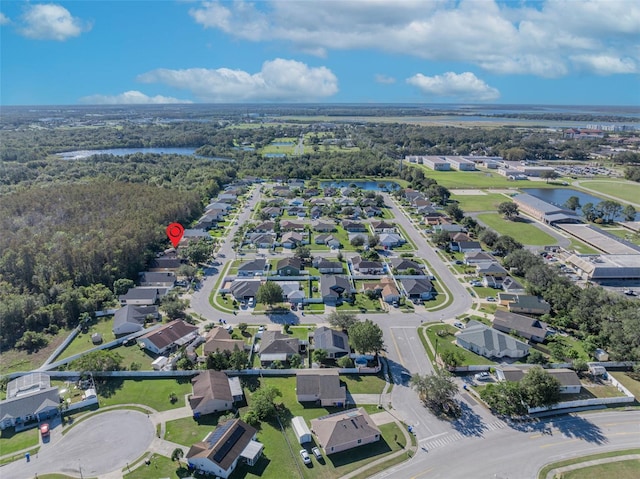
{"x":154,"y":393}
{"x":523,"y":231}
{"x":82,"y":342}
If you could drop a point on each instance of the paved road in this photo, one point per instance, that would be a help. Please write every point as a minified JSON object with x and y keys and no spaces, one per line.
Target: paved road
{"x":102,"y":443}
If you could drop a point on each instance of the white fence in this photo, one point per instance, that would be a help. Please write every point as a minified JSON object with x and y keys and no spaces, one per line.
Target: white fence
{"x":583,"y":403}
{"x":80,"y":404}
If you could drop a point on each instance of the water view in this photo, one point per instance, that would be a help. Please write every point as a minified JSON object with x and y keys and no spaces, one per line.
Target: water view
{"x":82,"y":154}
{"x":559,"y":196}
{"x":365,"y":185}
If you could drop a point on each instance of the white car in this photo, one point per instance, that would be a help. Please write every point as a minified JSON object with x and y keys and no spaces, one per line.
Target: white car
{"x":459,"y":325}
{"x":305,"y":456}
{"x":491,"y":299}
{"x":484,"y":376}
{"x":316,"y":452}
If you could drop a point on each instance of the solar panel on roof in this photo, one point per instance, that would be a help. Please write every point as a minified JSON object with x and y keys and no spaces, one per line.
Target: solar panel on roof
{"x":229,"y":443}
{"x":218,"y":433}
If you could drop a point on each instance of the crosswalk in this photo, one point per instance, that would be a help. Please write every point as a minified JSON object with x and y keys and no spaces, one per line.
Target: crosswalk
{"x":430,"y":443}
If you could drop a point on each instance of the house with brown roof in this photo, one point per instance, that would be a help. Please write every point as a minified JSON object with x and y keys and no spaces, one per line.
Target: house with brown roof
{"x":221,"y":450}
{"x":287,"y":225}
{"x":320,"y":386}
{"x":172,"y":335}
{"x":213,"y":391}
{"x":219,"y":339}
{"x":345,"y":430}
{"x":386,"y":288}
{"x":365,"y":266}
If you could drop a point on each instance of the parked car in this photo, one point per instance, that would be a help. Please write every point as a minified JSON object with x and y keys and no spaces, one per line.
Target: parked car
{"x":458,"y":324}
{"x":44,"y":429}
{"x":483,"y":376}
{"x":316,"y":452}
{"x":305,"y":456}
{"x":491,"y":299}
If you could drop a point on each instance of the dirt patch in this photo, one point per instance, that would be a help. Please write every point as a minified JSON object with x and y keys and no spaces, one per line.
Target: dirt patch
{"x":467,"y":192}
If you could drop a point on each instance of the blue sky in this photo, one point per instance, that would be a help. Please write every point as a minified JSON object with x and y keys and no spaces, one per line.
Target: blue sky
{"x":383,"y":51}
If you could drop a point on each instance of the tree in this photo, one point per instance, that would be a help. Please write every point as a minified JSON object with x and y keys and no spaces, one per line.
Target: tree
{"x":441,"y":239}
{"x":345,"y":362}
{"x":573,"y":203}
{"x":357,"y":241}
{"x":435,"y":390}
{"x":319,"y":355}
{"x":505,"y":398}
{"x":488,"y":237}
{"x":122,"y":285}
{"x":269,"y":293}
{"x":629,"y":213}
{"x":103,"y":360}
{"x":184,"y":364}
{"x":177,"y":454}
{"x":174,"y":307}
{"x":366,"y":337}
{"x":187,"y":271}
{"x":508,"y":209}
{"x":32,"y":341}
{"x":506,"y":245}
{"x":263,"y":402}
{"x":295,"y":361}
{"x":243,"y":327}
{"x":198,"y":251}
{"x":536,"y":357}
{"x":342,"y":320}
{"x":373,"y":240}
{"x":218,"y":361}
{"x":238,"y":359}
{"x":589,"y":212}
{"x":549,"y":175}
{"x":540,"y":388}
{"x":454,"y":211}
{"x":303,"y":253}
{"x":451,"y":357}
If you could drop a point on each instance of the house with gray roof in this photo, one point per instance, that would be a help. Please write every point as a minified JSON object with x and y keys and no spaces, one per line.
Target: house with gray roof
{"x":261,"y":240}
{"x":402,"y":265}
{"x":324,"y":226}
{"x":365,"y":266}
{"x":29,"y":400}
{"x":524,"y":303}
{"x":345,"y":430}
{"x":390,"y":240}
{"x":251,"y":268}
{"x":510,"y":285}
{"x":333,"y":287}
{"x":320,"y":386}
{"x":524,"y":326}
{"x":489,"y":342}
{"x":475,"y":257}
{"x":334,"y":342}
{"x":243,"y":289}
{"x":140,"y":296}
{"x":130,"y":318}
{"x":568,"y":379}
{"x":418,"y":288}
{"x":292,"y":239}
{"x":289,"y":266}
{"x":276,"y":346}
{"x":291,"y":291}
{"x":325,"y":266}
{"x":163,"y":279}
{"x":219,"y":340}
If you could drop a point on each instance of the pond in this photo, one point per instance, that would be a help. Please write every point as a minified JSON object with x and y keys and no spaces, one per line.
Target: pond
{"x":82,"y":154}
{"x":365,"y":185}
{"x":559,"y":196}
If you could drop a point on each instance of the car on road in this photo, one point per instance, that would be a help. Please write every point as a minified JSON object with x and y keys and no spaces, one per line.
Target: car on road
{"x":483,"y":376}
{"x":305,"y":456}
{"x":316,"y":452}
{"x":44,"y":429}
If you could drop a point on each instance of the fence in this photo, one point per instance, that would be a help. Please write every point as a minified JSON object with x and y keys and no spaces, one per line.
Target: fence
{"x":583,"y":403}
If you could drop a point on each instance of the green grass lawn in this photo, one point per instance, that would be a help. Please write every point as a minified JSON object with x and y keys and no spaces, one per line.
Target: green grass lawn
{"x":581,"y":247}
{"x":549,"y":467}
{"x":363,"y":384}
{"x":134,"y":354}
{"x":82,"y":342}
{"x":446,"y":342}
{"x":15,"y":360}
{"x":159,"y":466}
{"x":11,"y":441}
{"x":187,"y":431}
{"x":624,"y":190}
{"x":620,"y":232}
{"x":526,"y":233}
{"x":474,"y":203}
{"x":628,"y":382}
{"x":628,"y":469}
{"x":301,"y":332}
{"x":362,"y":304}
{"x":150,"y":392}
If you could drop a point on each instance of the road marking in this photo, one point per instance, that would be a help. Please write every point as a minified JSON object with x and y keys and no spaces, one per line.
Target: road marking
{"x":395,"y":344}
{"x":558,"y":443}
{"x":422,"y":474}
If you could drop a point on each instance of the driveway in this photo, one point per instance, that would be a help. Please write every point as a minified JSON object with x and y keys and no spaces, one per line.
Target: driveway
{"x":103,"y":443}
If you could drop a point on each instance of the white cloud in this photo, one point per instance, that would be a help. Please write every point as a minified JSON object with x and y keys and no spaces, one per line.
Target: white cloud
{"x":384,"y":79}
{"x":278,"y":80}
{"x":51,"y":22}
{"x":605,"y":64}
{"x":464,"y":86}
{"x":4,"y":20}
{"x":537,"y":38}
{"x":131,"y":97}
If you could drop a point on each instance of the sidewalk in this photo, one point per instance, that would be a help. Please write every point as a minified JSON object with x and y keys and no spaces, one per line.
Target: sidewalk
{"x":605,"y":460}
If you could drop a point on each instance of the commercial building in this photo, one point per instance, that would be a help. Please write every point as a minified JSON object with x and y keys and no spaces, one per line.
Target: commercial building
{"x":543,"y":211}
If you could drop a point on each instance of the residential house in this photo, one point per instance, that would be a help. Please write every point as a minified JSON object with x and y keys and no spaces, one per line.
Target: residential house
{"x":569,"y":380}
{"x":165,"y":263}
{"x":403,"y":265}
{"x":492,"y":274}
{"x":219,"y":340}
{"x":30,"y":398}
{"x":253,"y":267}
{"x":315,"y":212}
{"x":289,"y":267}
{"x":390,"y":240}
{"x":221,"y":450}
{"x":265,"y":227}
{"x":386,"y":288}
{"x":328,"y":240}
{"x":320,"y":386}
{"x":410,"y":195}
{"x":210,"y":219}
{"x":371,"y":211}
{"x":333,"y":287}
{"x":169,"y":336}
{"x":524,"y":326}
{"x":227,"y":198}
{"x":524,"y":303}
{"x":365,"y":266}
{"x":418,"y":288}
{"x":214,"y":391}
{"x":140,"y":297}
{"x":130,"y":318}
{"x":296,"y":202}
{"x":287,"y":225}
{"x":261,"y":240}
{"x":455,"y":237}
{"x":473,"y":258}
{"x":291,"y":240}
{"x":325,"y":266}
{"x":160,"y":280}
{"x":291,"y":291}
{"x":489,"y":342}
{"x":345,"y":430}
{"x":319,"y":201}
{"x":324,"y":226}
{"x":510,"y":285}
{"x":272,"y":211}
{"x":245,"y":289}
{"x":218,"y":205}
{"x":280,"y":191}
{"x":383,"y":227}
{"x":354,"y":226}
{"x":466,"y":246}
{"x":276,"y":346}
{"x":298,"y":211}
{"x":334,"y":342}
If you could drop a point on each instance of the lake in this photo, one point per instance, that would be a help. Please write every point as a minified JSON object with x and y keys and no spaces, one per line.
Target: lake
{"x":559,"y":196}
{"x":365,"y":185}
{"x":82,"y":154}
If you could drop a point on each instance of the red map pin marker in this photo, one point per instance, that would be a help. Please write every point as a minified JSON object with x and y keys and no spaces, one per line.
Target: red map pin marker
{"x":175,"y":232}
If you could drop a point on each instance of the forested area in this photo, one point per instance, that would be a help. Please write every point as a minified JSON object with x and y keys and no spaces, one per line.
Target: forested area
{"x":62,"y":247}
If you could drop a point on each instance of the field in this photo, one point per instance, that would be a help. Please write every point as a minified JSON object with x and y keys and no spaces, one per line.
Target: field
{"x":15,"y":360}
{"x":82,"y":342}
{"x":526,"y":233}
{"x":151,"y":392}
{"x":625,"y":191}
{"x":474,"y":203}
{"x":618,"y":473}
{"x":620,"y":470}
